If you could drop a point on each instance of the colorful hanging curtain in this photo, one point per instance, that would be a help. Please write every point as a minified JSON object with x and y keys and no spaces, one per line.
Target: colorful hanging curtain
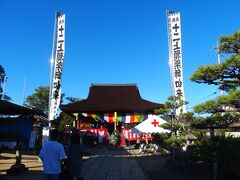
{"x":125,"y":118}
{"x":96,"y":117}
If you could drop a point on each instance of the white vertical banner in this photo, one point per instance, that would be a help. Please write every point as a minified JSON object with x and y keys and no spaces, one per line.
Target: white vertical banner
{"x":55,"y":94}
{"x":32,"y":139}
{"x":175,"y":57}
{"x":45,"y":134}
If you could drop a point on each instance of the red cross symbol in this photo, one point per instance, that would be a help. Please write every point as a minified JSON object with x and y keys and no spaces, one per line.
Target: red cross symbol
{"x":155,"y":123}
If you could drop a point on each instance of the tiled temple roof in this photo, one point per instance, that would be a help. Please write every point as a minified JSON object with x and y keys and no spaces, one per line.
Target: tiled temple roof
{"x":112,"y":98}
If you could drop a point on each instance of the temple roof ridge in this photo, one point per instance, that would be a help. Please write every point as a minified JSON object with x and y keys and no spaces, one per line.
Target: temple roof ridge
{"x":125,"y":84}
{"x":112,"y":98}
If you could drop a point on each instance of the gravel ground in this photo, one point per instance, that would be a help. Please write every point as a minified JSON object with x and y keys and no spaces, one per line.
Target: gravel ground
{"x":30,"y":161}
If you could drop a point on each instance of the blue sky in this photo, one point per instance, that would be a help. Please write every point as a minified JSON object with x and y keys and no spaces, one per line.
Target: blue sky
{"x":111,"y":41}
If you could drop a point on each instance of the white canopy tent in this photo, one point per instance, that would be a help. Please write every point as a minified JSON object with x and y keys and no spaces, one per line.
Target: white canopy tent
{"x":150,"y":125}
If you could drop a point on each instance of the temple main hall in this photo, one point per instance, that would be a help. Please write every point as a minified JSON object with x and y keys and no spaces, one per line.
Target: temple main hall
{"x":109,"y":105}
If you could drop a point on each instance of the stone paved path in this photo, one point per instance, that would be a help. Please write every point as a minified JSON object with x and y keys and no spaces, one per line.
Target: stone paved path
{"x":113,"y":164}
{"x":102,"y":163}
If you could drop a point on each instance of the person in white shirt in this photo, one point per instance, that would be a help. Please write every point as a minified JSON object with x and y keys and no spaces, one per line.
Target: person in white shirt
{"x":52,"y":153}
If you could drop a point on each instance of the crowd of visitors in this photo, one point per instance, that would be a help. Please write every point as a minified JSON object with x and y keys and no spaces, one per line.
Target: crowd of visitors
{"x":62,"y":154}
{"x":61,"y":162}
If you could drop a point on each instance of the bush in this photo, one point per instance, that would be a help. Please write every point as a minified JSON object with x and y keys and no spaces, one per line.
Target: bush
{"x":227,"y":154}
{"x":175,"y":141}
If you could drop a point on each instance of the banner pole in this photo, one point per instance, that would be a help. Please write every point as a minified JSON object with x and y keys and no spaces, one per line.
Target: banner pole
{"x":51,"y":71}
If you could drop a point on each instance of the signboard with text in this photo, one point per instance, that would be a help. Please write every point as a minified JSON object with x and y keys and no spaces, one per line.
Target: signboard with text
{"x":55,"y":94}
{"x":175,"y":57}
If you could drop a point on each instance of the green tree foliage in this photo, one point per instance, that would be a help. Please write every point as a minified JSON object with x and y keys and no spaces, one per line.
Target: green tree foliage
{"x":227,"y":74}
{"x":170,"y":107}
{"x":39,"y":99}
{"x":227,"y":150}
{"x":186,"y":118}
{"x":171,"y":126}
{"x":222,"y":111}
{"x":216,"y":120}
{"x":227,"y":103}
{"x":65,"y":121}
{"x":178,"y":122}
{"x":230,"y":44}
{"x":72,"y":99}
{"x":2,"y":79}
{"x":169,"y":110}
{"x":177,"y":141}
{"x":2,"y":76}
